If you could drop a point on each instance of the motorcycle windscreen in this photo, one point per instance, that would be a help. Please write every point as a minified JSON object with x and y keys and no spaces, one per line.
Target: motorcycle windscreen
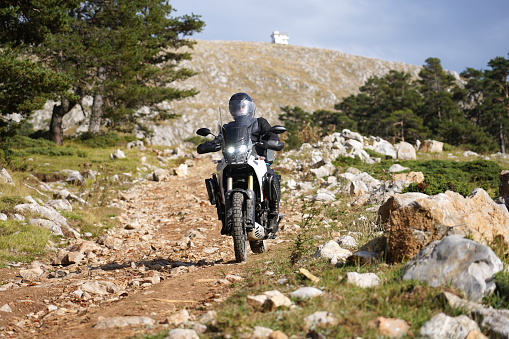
{"x":238,"y":131}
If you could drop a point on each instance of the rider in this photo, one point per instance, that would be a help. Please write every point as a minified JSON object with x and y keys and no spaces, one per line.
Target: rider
{"x":241,"y":106}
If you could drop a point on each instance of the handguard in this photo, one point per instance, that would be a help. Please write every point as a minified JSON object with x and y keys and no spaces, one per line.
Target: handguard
{"x":208,"y":147}
{"x":272,"y":144}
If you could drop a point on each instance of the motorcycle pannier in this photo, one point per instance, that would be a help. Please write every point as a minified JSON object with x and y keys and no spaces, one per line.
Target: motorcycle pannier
{"x":210,"y":183}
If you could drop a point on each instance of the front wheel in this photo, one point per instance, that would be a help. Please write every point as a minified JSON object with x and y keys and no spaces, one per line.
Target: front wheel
{"x":258,"y":246}
{"x":239,"y":231}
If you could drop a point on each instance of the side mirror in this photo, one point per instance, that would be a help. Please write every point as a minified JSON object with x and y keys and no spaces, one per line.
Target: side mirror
{"x":203,"y":132}
{"x":277,"y":129}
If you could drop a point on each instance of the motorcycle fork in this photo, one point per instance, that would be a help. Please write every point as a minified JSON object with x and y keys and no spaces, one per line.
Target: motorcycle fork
{"x":249,"y":203}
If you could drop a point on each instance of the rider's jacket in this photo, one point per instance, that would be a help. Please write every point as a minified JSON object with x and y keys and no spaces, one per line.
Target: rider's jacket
{"x":260,"y":133}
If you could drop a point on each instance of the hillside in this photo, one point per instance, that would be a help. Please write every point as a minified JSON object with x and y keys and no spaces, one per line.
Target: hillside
{"x":274,"y":75}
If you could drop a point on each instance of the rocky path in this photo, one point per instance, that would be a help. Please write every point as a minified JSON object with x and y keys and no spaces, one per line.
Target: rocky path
{"x":167,"y":264}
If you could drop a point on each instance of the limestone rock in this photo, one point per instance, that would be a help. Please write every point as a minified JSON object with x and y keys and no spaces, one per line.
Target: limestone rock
{"x":50,"y":225}
{"x":393,"y":328}
{"x":261,"y":332}
{"x":138,"y":144}
{"x":48,"y":213}
{"x":443,"y":326}
{"x":332,"y":250}
{"x":181,"y":171}
{"x":405,"y":151}
{"x":347,"y":134}
{"x":386,"y":149}
{"x":178,"y":318}
{"x":397,"y":168}
{"x":106,"y":323}
{"x":461,"y":262}
{"x":5,"y":177}
{"x":409,"y":177}
{"x":60,"y":205}
{"x":275,"y":300}
{"x":431,"y":146}
{"x":160,"y":175}
{"x":118,"y":154}
{"x":417,"y":219}
{"x":320,"y":319}
{"x":364,"y":280}
{"x":306,"y":293}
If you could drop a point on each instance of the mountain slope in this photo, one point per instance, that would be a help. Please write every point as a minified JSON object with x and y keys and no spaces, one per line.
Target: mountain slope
{"x":274,"y":75}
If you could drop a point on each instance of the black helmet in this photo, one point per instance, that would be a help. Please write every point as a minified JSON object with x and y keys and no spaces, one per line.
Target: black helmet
{"x":241,"y":105}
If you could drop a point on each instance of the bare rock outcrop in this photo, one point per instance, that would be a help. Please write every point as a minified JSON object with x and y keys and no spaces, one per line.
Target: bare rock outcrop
{"x":417,"y":219}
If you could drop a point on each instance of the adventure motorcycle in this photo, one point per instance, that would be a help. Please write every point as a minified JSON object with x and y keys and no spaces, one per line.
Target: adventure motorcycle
{"x":243,"y":185}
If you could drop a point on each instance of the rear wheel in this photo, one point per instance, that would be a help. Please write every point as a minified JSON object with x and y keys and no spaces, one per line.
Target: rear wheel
{"x":258,"y":246}
{"x":239,"y":231}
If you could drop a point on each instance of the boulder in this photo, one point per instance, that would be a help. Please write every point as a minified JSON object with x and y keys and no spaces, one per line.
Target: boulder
{"x":462,"y":263}
{"x":320,"y":319}
{"x":160,"y":174}
{"x":59,"y":205}
{"x":347,"y":134}
{"x":405,"y":151}
{"x":393,"y":328}
{"x":306,"y":293}
{"x":443,"y":326}
{"x":352,"y":144}
{"x":332,"y":250}
{"x":5,"y":177}
{"x":431,"y":146}
{"x":181,"y":171}
{"x":417,"y":219}
{"x":138,"y":144}
{"x":48,"y":213}
{"x":386,"y":149}
{"x":118,"y":154}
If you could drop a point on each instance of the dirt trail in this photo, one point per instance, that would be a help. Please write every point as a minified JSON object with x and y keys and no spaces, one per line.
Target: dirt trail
{"x":170,"y":257}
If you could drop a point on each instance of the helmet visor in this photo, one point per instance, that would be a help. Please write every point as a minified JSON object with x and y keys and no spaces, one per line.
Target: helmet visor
{"x":240,"y":108}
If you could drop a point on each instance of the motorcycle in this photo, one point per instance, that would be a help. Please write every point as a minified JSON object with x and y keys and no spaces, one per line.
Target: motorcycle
{"x":243,"y":185}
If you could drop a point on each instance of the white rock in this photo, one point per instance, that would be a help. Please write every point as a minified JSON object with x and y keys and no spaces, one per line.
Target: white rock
{"x":397,"y":168}
{"x":182,"y":333}
{"x":5,"y":308}
{"x":5,"y":177}
{"x":118,"y":154}
{"x":443,"y":326}
{"x":365,"y":280}
{"x":261,"y":332}
{"x":332,"y":250}
{"x":306,"y":292}
{"x":320,"y":319}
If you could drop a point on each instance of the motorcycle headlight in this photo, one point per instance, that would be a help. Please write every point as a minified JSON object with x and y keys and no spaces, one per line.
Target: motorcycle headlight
{"x":230,"y":150}
{"x":242,"y":149}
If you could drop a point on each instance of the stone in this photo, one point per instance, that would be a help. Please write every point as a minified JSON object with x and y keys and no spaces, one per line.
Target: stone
{"x":443,"y":326}
{"x":6,"y":308}
{"x":5,"y":177}
{"x":475,"y":334}
{"x":363,"y":258}
{"x":306,"y":293}
{"x":261,"y":332}
{"x":110,"y":242}
{"x":354,"y":145}
{"x":405,"y":151}
{"x":278,"y":335}
{"x":48,"y":224}
{"x":324,"y":197}
{"x":118,"y":154}
{"x":182,"y":333}
{"x":320,"y":319}
{"x":364,"y":280}
{"x":74,"y":177}
{"x":347,"y":134}
{"x":275,"y":300}
{"x":356,"y":188}
{"x":105,"y":323}
{"x":470,"y":154}
{"x":209,"y":318}
{"x":460,"y":262}
{"x":393,"y":328}
{"x":160,"y":175}
{"x":397,"y":168}
{"x":138,"y":144}
{"x":3,"y":217}
{"x":386,"y":149}
{"x":94,"y":287}
{"x":32,"y":274}
{"x":347,"y":241}
{"x":417,"y":219}
{"x":416,"y":177}
{"x":234,"y":278}
{"x":181,"y":171}
{"x":431,"y":146}
{"x":162,"y":159}
{"x":496,"y":322}
{"x":321,"y":172}
{"x":48,"y":213}
{"x":59,"y":205}
{"x":332,"y":250}
{"x":178,"y":318}
{"x":256,"y":301}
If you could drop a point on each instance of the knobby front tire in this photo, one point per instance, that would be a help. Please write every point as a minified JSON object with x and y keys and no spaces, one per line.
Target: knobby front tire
{"x":239,"y":231}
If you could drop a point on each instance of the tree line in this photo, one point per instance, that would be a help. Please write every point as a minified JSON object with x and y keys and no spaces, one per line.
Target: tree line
{"x":124,"y":54}
{"x":471,"y":112}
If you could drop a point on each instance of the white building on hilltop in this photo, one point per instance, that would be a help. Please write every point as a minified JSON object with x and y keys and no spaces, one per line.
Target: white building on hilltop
{"x":279,"y":38}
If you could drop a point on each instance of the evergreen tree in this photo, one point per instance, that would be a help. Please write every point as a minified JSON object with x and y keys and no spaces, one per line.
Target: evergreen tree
{"x":125,"y":54}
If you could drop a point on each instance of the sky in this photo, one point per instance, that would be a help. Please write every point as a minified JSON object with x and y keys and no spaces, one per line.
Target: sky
{"x":461,"y":33}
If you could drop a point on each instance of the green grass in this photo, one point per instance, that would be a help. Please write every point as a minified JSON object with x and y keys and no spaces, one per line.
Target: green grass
{"x":21,"y":242}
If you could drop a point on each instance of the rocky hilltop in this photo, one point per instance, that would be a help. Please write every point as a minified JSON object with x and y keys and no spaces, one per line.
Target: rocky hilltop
{"x":274,"y":75}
